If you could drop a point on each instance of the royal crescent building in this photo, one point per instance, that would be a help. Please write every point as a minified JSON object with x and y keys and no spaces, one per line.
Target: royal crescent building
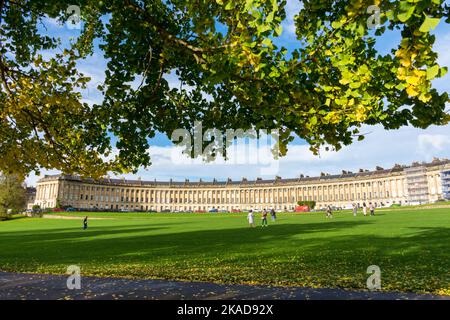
{"x":414,"y":184}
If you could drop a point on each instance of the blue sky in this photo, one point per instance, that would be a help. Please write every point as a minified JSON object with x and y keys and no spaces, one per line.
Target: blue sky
{"x":381,"y":147}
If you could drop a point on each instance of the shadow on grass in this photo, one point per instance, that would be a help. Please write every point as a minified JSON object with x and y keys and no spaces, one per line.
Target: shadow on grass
{"x":59,"y":245}
{"x":138,"y":242}
{"x":281,"y":253}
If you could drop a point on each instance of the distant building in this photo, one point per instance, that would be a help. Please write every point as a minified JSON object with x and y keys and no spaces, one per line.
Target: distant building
{"x":445,"y":178}
{"x":418,"y":183}
{"x":31,"y":197}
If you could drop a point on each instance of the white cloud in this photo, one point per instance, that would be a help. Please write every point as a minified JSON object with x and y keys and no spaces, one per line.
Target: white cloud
{"x":380,"y":148}
{"x":52,"y":22}
{"x":292,"y":8}
{"x":432,"y":143}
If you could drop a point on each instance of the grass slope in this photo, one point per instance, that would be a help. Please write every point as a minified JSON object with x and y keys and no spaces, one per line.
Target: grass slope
{"x":410,"y":247}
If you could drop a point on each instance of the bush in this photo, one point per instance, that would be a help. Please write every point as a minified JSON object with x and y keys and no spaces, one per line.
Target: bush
{"x":36,"y":211}
{"x":37,"y":214}
{"x":4,"y":215}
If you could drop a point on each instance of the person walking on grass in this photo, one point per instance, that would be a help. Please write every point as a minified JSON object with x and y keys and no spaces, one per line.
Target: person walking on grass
{"x":364,"y":209}
{"x":251,"y":219}
{"x":273,"y":214}
{"x":355,"y":209}
{"x":372,"y":209}
{"x":85,"y":223}
{"x":264,"y":218}
{"x":329,"y":212}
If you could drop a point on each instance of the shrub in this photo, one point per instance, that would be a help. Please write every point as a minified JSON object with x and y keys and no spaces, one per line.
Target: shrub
{"x":36,"y":211}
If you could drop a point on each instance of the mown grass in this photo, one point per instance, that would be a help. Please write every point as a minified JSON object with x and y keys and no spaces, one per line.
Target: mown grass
{"x":410,"y":246}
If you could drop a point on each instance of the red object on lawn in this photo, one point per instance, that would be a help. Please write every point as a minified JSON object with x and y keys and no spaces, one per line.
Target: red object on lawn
{"x":302,"y":209}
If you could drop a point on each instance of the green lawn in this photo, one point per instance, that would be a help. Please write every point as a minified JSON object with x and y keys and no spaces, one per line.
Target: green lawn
{"x":410,"y":247}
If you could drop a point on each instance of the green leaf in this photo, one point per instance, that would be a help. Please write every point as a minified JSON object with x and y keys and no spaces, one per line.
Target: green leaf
{"x":267,"y":42}
{"x":248,"y":5}
{"x":278,"y":30}
{"x":336,"y":24}
{"x":429,"y":24}
{"x":355,"y":85}
{"x":400,"y":86}
{"x":270,"y":17}
{"x":229,"y":5}
{"x":403,"y":17}
{"x":263,"y":28}
{"x":432,"y":72}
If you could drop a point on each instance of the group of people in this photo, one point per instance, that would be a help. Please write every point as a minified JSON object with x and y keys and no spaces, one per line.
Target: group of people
{"x":329,"y":211}
{"x":364,"y":207}
{"x":251,"y":217}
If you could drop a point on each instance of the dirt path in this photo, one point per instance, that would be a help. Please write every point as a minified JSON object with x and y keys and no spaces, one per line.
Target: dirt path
{"x":15,"y":286}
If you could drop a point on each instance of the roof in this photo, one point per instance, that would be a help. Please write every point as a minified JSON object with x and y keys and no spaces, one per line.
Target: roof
{"x":277,"y":181}
{"x":31,"y":190}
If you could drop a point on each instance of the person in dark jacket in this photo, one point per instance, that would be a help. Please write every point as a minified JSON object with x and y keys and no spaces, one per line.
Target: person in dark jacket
{"x":85,"y":223}
{"x":329,"y":212}
{"x":273,"y":214}
{"x":264,"y":218}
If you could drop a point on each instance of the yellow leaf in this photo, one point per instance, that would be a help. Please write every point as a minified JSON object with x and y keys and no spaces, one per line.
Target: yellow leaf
{"x":405,"y":62}
{"x":413,"y":80}
{"x":412,"y":91}
{"x":425,"y":97}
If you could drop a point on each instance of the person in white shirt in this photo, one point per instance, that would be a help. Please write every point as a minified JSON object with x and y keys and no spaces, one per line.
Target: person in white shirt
{"x":251,"y":219}
{"x":364,"y":209}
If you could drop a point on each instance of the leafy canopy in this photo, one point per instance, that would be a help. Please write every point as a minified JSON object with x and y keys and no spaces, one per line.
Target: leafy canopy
{"x":233,"y":76}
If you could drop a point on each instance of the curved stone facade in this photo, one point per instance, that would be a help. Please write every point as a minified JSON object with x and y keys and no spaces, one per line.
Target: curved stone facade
{"x":399,"y":185}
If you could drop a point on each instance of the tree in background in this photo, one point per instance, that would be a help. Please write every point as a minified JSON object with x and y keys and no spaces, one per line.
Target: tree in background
{"x":12,"y":194}
{"x":58,"y":204}
{"x":323,"y":89}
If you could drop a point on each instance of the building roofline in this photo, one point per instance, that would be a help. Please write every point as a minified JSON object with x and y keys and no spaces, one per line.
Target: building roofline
{"x":272,"y":182}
